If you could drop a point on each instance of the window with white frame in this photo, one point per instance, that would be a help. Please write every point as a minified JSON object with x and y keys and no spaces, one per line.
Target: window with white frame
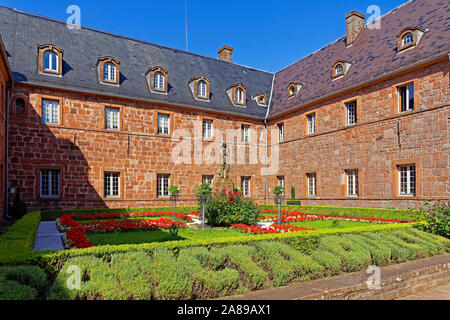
{"x":407,"y":180}
{"x":407,"y":39}
{"x":109,"y":72}
{"x":112,"y":116}
{"x":245,"y":186}
{"x":351,"y":113}
{"x":158,"y":81}
{"x":339,"y":69}
{"x":281,"y":182}
{"x":50,"y":61}
{"x":50,"y":111}
{"x":208,"y":179}
{"x":239,"y":96}
{"x":312,"y":184}
{"x":163,"y":182}
{"x":163,"y":123}
{"x":112,"y":184}
{"x":49,"y":187}
{"x":207,"y":129}
{"x":245,"y":133}
{"x":201,"y":89}
{"x":281,"y":131}
{"x":311,"y":123}
{"x":352,"y":182}
{"x":406,"y":97}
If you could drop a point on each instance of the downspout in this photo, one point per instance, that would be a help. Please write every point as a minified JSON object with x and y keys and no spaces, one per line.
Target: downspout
{"x":267,"y":140}
{"x":6,"y":155}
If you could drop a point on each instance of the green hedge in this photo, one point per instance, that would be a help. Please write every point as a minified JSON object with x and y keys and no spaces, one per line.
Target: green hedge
{"x":395,"y":214}
{"x":53,"y":215}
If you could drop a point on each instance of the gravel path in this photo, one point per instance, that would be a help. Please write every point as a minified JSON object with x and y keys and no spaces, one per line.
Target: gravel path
{"x":48,"y":237}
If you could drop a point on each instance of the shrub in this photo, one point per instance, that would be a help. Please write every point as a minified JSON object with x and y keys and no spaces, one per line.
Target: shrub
{"x":18,"y":208}
{"x":330,"y":262}
{"x":437,"y":218}
{"x":22,"y":282}
{"x":293,"y":202}
{"x":225,"y":209}
{"x":380,"y":255}
{"x":293,"y":194}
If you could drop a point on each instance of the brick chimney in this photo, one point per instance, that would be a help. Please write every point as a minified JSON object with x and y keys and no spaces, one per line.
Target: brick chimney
{"x":226,"y":53}
{"x":355,"y":24}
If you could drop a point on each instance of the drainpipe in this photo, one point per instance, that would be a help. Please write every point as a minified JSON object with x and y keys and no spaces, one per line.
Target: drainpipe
{"x":6,"y":155}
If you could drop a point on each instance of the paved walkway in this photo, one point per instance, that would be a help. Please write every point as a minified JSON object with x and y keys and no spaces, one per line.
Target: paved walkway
{"x":439,"y":293}
{"x":48,"y":237}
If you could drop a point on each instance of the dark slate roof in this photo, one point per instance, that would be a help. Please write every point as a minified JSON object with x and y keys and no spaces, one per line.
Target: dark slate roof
{"x":373,"y":54}
{"x":24,"y":32}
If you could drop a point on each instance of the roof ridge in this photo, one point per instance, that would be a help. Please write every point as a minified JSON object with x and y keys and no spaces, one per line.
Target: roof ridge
{"x":134,"y":39}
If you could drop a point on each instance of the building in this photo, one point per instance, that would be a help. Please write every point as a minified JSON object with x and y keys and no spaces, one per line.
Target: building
{"x":102,"y":120}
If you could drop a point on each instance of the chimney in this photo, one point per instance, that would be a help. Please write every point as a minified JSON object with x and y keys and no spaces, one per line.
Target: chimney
{"x":226,"y":53}
{"x":355,"y":24}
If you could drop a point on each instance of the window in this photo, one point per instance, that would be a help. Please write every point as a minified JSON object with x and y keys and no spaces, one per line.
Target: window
{"x":281,"y":131}
{"x":407,"y":180}
{"x":406,"y":97}
{"x":208,"y":179}
{"x":49,"y":187}
{"x":245,"y":130}
{"x":207,"y":129}
{"x":245,"y":186}
{"x":112,"y":184}
{"x":351,"y":113}
{"x":312,"y":184}
{"x":339,"y":69}
{"x":20,"y":106}
{"x":311,"y":123}
{"x":50,"y":61}
{"x":407,"y":39}
{"x":159,"y":81}
{"x":163,"y":124}
{"x":281,"y":182}
{"x":352,"y":182}
{"x":112,"y":118}
{"x":262,"y":99}
{"x":163,"y":182}
{"x":292,"y":90}
{"x":239,"y":98}
{"x":202,"y":89}
{"x":50,"y":111}
{"x":109,"y":72}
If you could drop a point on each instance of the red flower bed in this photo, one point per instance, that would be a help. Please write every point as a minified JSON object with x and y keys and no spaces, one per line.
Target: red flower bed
{"x":115,"y":215}
{"x":293,"y":216}
{"x":76,"y":231}
{"x":274,"y":228}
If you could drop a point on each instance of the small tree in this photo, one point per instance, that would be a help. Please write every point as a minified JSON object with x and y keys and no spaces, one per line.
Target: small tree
{"x":174,"y":191}
{"x":278,"y":191}
{"x":204,"y":194}
{"x":18,"y":208}
{"x":292,"y":193}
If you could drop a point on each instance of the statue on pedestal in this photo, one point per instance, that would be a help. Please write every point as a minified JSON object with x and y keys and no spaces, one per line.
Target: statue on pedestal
{"x":224,"y":170}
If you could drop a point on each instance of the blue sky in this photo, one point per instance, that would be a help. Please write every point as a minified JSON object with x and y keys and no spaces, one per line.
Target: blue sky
{"x":268,"y":35}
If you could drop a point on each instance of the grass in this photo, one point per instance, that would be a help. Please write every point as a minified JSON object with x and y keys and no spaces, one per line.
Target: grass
{"x":328,"y":224}
{"x":137,"y":237}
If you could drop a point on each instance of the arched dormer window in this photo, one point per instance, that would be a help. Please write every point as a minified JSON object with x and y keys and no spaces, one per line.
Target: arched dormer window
{"x":237,"y":94}
{"x":200,"y":88}
{"x":340,"y":68}
{"x":293,"y":89}
{"x":108,"y":70}
{"x":157,"y":79}
{"x":50,"y":59}
{"x":409,"y":38}
{"x":260,"y":99}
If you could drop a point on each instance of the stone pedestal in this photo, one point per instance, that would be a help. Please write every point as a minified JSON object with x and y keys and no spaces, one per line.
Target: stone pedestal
{"x":226,"y":184}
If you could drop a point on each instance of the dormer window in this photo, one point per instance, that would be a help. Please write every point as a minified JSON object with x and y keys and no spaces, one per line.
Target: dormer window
{"x":157,"y":79}
{"x":237,"y":94}
{"x":200,"y":88}
{"x":293,"y":89}
{"x":50,"y":59}
{"x":260,"y":99}
{"x":340,"y":68}
{"x":108,"y":70}
{"x":409,"y":38}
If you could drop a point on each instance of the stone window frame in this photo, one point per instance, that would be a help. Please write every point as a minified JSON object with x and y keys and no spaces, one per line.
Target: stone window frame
{"x":59,"y":53}
{"x":307,"y":115}
{"x":249,"y":180}
{"x":120,"y":171}
{"x":203,"y":119}
{"x":241,"y":128}
{"x":102,"y":124}
{"x":345,"y":119}
{"x":356,"y":185}
{"x":417,"y":34}
{"x":395,"y":186}
{"x":206,"y":176}
{"x":171,"y":123}
{"x":13,"y":110}
{"x":150,"y":74}
{"x":60,"y":100}
{"x":100,"y":70}
{"x":282,"y":179}
{"x":38,"y":170}
{"x":158,"y":175}
{"x":281,"y":129}
{"x":396,"y":106}
{"x":306,"y":184}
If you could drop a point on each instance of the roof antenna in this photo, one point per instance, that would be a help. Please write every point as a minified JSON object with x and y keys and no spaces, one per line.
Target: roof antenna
{"x":186,"y":20}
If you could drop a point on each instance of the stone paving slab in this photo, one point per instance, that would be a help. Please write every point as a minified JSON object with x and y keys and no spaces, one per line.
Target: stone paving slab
{"x":439,"y":293}
{"x":48,"y":237}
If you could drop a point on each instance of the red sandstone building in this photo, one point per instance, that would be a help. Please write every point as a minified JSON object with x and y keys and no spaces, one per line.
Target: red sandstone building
{"x":101,"y":120}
